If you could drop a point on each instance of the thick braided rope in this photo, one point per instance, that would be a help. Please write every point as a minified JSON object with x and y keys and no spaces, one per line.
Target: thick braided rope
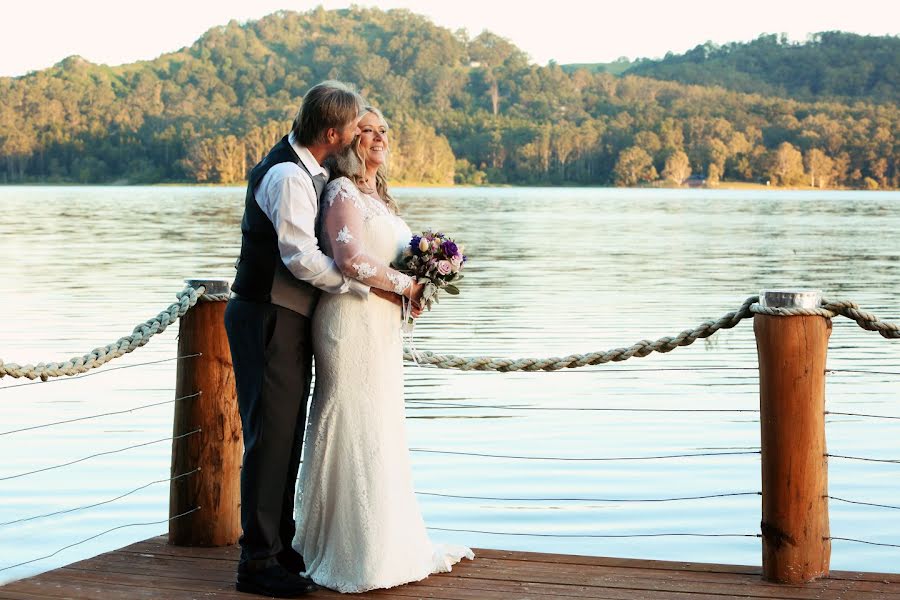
{"x":749,"y":308}
{"x":141,"y":334}
{"x":641,"y":348}
{"x":831,"y":309}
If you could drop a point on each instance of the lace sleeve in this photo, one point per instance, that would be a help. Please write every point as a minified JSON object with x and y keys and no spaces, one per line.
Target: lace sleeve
{"x":343,"y":224}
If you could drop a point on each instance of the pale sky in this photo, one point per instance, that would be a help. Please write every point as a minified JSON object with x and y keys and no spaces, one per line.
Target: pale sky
{"x":36,"y":34}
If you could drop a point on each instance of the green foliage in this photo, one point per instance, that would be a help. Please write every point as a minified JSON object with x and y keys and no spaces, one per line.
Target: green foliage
{"x":634,"y":166}
{"x":617,"y":67}
{"x":465,"y":110}
{"x":677,"y":168}
{"x":830,"y":65}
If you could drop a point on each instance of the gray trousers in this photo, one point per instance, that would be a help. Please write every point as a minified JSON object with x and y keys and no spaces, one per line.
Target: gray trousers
{"x":271,"y":350}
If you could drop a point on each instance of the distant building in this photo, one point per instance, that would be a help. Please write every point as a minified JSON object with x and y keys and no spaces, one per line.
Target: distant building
{"x":695,"y":180}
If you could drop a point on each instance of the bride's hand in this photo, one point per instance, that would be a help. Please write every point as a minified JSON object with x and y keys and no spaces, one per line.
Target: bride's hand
{"x":414,"y":294}
{"x":414,"y":291}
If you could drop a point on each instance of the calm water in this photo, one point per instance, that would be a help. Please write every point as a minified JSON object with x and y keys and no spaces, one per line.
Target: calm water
{"x":552,"y":272}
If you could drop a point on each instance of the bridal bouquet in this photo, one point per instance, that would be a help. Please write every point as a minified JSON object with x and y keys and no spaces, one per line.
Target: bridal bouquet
{"x":435,"y":261}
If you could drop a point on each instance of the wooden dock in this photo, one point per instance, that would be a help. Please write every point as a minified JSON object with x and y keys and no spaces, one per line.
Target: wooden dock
{"x":154,"y":569}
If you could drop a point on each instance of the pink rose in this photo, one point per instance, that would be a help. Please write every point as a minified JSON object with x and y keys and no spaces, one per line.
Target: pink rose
{"x":444,"y":267}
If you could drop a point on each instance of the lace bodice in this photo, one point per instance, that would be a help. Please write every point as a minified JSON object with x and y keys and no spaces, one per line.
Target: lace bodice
{"x":363,"y":236}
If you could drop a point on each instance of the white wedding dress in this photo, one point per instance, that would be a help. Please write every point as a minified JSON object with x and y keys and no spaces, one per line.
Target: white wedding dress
{"x":358,"y":523}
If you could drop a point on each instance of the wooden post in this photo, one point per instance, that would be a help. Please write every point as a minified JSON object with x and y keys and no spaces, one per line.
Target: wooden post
{"x":795,"y":536}
{"x":216,"y":449}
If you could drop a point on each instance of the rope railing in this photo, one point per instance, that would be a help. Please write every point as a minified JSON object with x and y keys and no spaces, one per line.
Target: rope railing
{"x":191,"y":295}
{"x":97,"y":357}
{"x":104,"y":371}
{"x":750,"y":307}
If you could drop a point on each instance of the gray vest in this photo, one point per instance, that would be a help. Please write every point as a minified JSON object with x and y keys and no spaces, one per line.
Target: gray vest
{"x":261,"y":274}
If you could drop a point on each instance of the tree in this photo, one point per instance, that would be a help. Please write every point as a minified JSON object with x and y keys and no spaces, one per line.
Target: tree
{"x":677,"y":168}
{"x":419,"y":154}
{"x":820,"y":168}
{"x":786,"y":165}
{"x":634,"y":165}
{"x":713,"y":175}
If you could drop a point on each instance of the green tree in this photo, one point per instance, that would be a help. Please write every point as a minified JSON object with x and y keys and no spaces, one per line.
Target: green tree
{"x":633,"y":166}
{"x":419,"y":154}
{"x":820,"y":168}
{"x":678,"y":168}
{"x":786,"y":165}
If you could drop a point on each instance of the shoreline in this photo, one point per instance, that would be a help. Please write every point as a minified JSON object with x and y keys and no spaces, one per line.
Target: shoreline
{"x":726,"y":185}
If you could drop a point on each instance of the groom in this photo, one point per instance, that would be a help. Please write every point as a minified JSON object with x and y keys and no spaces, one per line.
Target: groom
{"x":280,"y":273}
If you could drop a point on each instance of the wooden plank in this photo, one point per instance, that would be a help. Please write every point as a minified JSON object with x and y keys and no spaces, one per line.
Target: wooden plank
{"x":154,"y":569}
{"x":520,"y":569}
{"x":748,"y":587}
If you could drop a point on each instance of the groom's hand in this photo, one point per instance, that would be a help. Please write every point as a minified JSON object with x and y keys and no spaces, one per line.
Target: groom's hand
{"x":392,"y":297}
{"x":389,"y":296}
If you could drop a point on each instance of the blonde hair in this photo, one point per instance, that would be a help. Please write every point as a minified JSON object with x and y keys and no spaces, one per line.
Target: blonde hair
{"x":351,"y":163}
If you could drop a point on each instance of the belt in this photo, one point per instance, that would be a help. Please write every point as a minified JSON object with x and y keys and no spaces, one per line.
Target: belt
{"x":236,"y":296}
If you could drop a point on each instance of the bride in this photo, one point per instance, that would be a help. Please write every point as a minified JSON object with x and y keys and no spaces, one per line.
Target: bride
{"x":358,"y":523}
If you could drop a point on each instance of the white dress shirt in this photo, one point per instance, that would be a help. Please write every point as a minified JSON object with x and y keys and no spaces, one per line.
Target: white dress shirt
{"x":287,"y":196}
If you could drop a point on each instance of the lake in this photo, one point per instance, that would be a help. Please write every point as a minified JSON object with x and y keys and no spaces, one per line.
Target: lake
{"x":552,"y":272}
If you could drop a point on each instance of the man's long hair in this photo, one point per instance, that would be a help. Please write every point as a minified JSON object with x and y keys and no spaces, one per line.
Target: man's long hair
{"x":330,"y":104}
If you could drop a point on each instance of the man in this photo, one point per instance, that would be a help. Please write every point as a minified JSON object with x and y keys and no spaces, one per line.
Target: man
{"x":280,"y":273}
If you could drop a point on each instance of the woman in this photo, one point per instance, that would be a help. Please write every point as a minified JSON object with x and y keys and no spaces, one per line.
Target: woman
{"x":358,"y":524}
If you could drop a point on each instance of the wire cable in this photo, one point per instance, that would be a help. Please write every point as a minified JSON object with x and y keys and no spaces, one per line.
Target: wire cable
{"x":593,"y":535}
{"x":864,"y":503}
{"x":846,"y":414}
{"x":118,"y":412}
{"x":70,"y":510}
{"x":33,"y":560}
{"x":608,"y":458}
{"x":8,"y":477}
{"x":880,"y":460}
{"x":843,"y":539}
{"x":587,"y":499}
{"x":429,"y":404}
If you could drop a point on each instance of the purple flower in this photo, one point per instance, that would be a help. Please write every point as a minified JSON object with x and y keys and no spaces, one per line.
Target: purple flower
{"x":414,"y":243}
{"x":449,"y":248}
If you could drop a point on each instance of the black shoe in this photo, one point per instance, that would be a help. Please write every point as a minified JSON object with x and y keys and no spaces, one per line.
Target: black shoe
{"x":274,"y":581}
{"x":291,"y":560}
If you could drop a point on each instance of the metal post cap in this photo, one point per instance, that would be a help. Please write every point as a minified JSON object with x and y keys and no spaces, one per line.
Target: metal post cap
{"x":213,"y":286}
{"x":790,"y":298}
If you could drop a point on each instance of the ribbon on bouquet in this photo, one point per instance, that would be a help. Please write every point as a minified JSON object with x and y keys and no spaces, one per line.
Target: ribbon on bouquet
{"x":406,"y":328}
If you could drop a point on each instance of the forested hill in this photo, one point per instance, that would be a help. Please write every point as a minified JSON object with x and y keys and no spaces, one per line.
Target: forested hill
{"x":830,"y":66}
{"x":470,"y":110}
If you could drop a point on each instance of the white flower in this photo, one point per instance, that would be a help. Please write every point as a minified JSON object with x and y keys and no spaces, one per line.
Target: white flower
{"x":344,"y":236}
